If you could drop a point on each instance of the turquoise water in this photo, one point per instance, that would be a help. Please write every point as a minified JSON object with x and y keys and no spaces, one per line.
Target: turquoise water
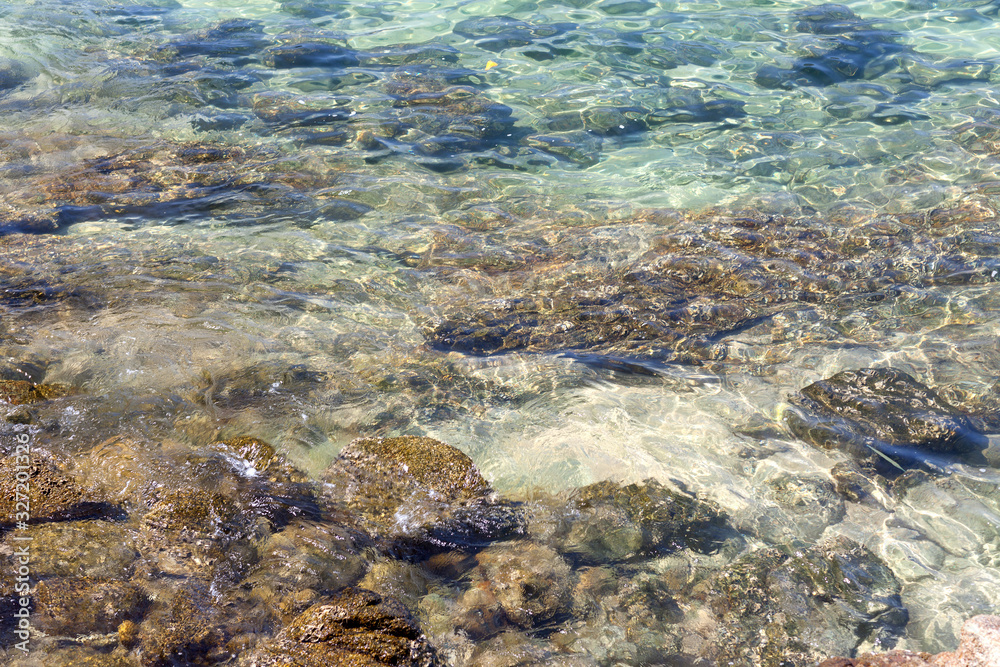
{"x":239,"y":235}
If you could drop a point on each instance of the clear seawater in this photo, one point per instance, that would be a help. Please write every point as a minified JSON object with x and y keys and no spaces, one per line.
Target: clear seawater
{"x":320,"y":313}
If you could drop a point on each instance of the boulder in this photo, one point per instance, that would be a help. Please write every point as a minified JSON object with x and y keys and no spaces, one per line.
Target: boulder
{"x":980,"y":647}
{"x":415,"y":493}
{"x":773,"y":608}
{"x":607,"y":522}
{"x":885,"y":418}
{"x":357,"y":628}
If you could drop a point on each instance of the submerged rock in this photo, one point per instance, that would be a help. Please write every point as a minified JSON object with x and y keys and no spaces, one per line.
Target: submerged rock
{"x":980,"y":647}
{"x":496,"y":33}
{"x":81,"y":605}
{"x":22,"y":392}
{"x":607,"y":522}
{"x":54,"y":494}
{"x":419,"y":493}
{"x":774,"y":609}
{"x":885,"y":418}
{"x":531,"y":583}
{"x":99,"y":550}
{"x":306,"y":559}
{"x":357,"y":627}
{"x":12,"y":74}
{"x":183,"y":627}
{"x":845,"y":47}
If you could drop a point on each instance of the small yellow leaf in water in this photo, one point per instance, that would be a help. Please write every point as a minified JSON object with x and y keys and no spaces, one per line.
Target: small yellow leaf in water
{"x":491,"y":65}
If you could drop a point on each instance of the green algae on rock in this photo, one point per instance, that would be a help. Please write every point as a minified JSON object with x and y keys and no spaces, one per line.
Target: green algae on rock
{"x":885,"y":418}
{"x":421,"y":493}
{"x":357,"y":628}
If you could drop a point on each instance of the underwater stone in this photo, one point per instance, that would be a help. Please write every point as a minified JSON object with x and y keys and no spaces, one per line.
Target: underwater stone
{"x":431,"y":463}
{"x":94,"y":549}
{"x":310,"y":54}
{"x":12,"y":74}
{"x":496,"y":33}
{"x":81,"y":605}
{"x":228,"y":40}
{"x":531,"y":582}
{"x":313,"y":556}
{"x":607,"y":522}
{"x":979,"y":647}
{"x":619,"y":7}
{"x":357,"y":628}
{"x":773,"y":608}
{"x":709,"y":112}
{"x":55,"y":495}
{"x":419,"y":493}
{"x":580,"y":148}
{"x":883,"y":417}
{"x":19,"y":392}
{"x":181,"y":629}
{"x":314,"y":9}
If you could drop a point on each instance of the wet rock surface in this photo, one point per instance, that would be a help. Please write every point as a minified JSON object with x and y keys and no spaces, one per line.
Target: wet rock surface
{"x":420,"y":493}
{"x":691,"y":292}
{"x":980,"y":647}
{"x":772,"y":608}
{"x":885,"y":418}
{"x":608,"y":522}
{"x":357,"y":627}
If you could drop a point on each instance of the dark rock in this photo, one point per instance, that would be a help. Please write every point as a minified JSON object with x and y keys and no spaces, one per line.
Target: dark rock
{"x":22,"y":392}
{"x":419,"y":493}
{"x":81,"y":605}
{"x":406,"y":54}
{"x":496,"y":33}
{"x":314,"y":9}
{"x":356,"y":628}
{"x":310,"y":54}
{"x":219,"y":122}
{"x":883,"y":417}
{"x":12,"y":74}
{"x":607,"y":522}
{"x":774,"y":609}
{"x":709,"y":112}
{"x":578,"y":147}
{"x":619,"y":7}
{"x":845,"y":48}
{"x":230,"y":40}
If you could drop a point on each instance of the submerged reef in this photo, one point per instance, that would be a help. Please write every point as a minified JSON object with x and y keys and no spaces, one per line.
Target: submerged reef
{"x":403,"y":555}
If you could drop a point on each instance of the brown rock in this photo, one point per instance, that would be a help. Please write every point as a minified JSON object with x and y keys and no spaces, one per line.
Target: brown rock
{"x":54,"y":495}
{"x":81,"y":605}
{"x":356,"y":628}
{"x":980,"y":647}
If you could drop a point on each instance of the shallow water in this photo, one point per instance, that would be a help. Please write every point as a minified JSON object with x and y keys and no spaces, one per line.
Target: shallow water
{"x":283,"y":285}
